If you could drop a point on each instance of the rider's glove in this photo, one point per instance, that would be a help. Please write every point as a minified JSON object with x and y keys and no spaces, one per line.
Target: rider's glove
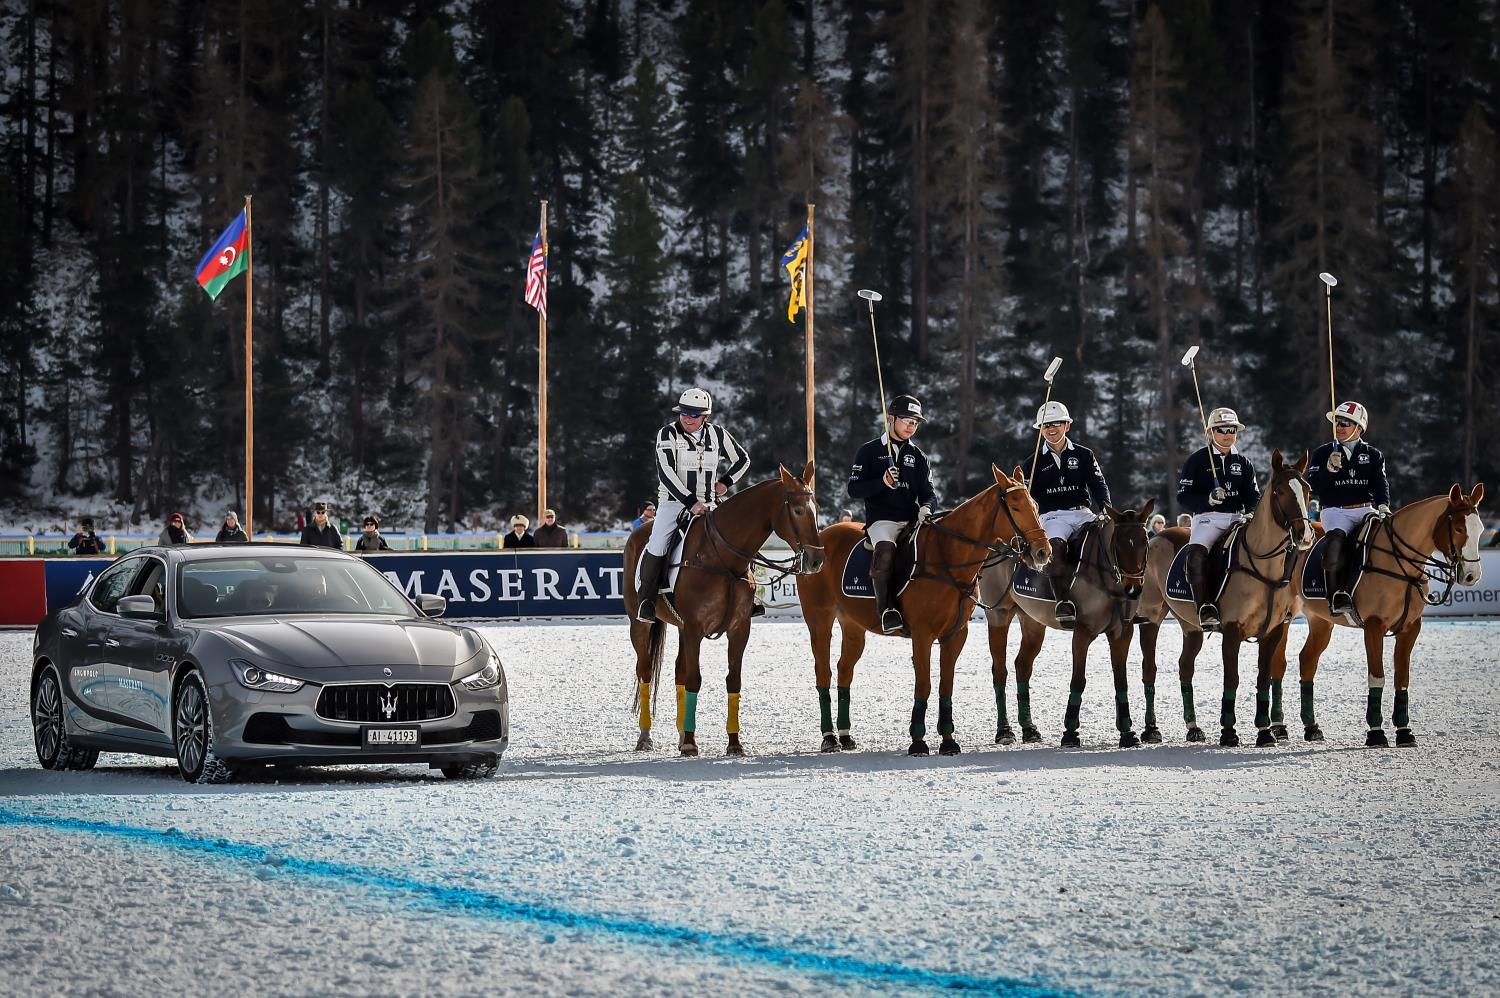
{"x":1384,"y":509}
{"x":923,"y":514}
{"x":1214,"y":499}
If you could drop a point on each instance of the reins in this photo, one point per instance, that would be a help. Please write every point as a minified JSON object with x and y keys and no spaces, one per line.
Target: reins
{"x":994,"y":553}
{"x":1426,"y":567}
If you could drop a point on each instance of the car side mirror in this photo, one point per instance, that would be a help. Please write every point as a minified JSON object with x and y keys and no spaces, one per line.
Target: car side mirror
{"x":431,"y":606}
{"x":139,"y":608}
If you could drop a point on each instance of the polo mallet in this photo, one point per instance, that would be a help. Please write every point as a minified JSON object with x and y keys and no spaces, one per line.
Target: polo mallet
{"x":1187,"y":362}
{"x":872,"y":297}
{"x":1037,"y":451}
{"x":1336,"y":459}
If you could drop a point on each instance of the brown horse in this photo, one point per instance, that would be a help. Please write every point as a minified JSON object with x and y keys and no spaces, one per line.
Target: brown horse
{"x":1257,"y":603}
{"x":1108,"y":585}
{"x":951,"y":547}
{"x":715,"y":593}
{"x":1434,"y":539}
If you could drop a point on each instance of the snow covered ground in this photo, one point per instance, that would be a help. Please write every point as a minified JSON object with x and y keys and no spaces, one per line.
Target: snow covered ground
{"x":586,"y":868}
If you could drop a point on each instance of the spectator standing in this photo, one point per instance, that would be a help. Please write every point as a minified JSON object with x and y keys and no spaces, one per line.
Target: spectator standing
{"x":646,"y":515}
{"x":518,"y":537}
{"x":231,"y":532}
{"x":1185,"y":520}
{"x":176,"y":532}
{"x":300,"y":524}
{"x":370,"y":539}
{"x":845,"y":516}
{"x":549,"y":534}
{"x":86,"y":541}
{"x":1157,"y":525}
{"x":320,"y":533}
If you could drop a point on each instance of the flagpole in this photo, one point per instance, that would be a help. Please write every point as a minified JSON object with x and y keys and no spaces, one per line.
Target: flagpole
{"x":812,"y":435}
{"x":249,"y":379}
{"x":541,"y":419}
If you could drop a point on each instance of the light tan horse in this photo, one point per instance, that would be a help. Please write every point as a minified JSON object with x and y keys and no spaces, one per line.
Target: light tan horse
{"x":1434,"y":539}
{"x":951,"y":547}
{"x":1257,"y":603}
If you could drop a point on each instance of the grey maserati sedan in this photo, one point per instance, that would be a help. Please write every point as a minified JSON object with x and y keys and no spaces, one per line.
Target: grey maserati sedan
{"x":230,"y":656}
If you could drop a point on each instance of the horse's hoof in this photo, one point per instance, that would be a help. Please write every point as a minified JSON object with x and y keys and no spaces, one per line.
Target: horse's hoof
{"x":1405,"y":739}
{"x":734,"y":748}
{"x":1312,"y":733}
{"x":1279,"y":730}
{"x":1195,"y":734}
{"x":1264,"y":738}
{"x":847,"y":742}
{"x":1005,"y":736}
{"x":1229,"y":738}
{"x":830,"y":744}
{"x":1070,"y":739}
{"x":643,"y":743}
{"x":1128,"y":739}
{"x":1377,"y":739}
{"x":1151,"y":736}
{"x":1030,"y":736}
{"x":918,"y":747}
{"x":689,"y":751}
{"x":949,"y":747}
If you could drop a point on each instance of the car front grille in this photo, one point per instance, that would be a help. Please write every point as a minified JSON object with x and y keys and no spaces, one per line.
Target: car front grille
{"x":376,"y":703}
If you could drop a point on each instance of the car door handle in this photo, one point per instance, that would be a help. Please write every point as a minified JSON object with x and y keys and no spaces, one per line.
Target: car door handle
{"x":69,"y":632}
{"x":111,"y":643}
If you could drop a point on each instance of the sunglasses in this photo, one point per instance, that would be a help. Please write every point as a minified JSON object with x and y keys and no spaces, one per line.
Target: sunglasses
{"x":371,"y":523}
{"x":694,"y":415}
{"x":1053,"y":426}
{"x":1228,"y":431}
{"x":1344,"y":423}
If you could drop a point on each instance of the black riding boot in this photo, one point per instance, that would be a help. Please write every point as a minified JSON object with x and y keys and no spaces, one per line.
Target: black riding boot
{"x":1333,"y":572}
{"x":1195,"y":566}
{"x":651,"y":564}
{"x":881,"y":566}
{"x":1060,"y":573}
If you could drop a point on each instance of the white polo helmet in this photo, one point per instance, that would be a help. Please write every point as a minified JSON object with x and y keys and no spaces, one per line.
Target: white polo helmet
{"x":1352,"y":411}
{"x":695,"y":401}
{"x":1052,"y":412}
{"x":1224,"y":416}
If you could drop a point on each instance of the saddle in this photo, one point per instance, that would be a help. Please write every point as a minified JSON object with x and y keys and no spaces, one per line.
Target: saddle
{"x":1032,"y":584}
{"x":856,"y":577}
{"x":1218,"y":567}
{"x":1313,"y":586}
{"x":673,"y":559}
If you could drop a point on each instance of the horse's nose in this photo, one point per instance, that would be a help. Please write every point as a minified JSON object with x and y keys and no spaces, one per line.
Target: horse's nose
{"x":1040,"y":555}
{"x":813,"y":563}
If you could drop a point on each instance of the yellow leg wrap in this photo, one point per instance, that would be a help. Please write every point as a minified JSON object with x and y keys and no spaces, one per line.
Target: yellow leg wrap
{"x":733,"y":725}
{"x":643,"y":691}
{"x":681,"y":705}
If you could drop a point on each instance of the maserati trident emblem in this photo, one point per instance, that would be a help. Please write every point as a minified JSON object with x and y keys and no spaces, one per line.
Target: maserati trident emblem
{"x":388,"y":706}
{"x":387,"y":672}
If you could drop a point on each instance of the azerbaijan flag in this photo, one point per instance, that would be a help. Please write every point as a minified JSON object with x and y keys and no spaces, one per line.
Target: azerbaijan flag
{"x":226,"y":259}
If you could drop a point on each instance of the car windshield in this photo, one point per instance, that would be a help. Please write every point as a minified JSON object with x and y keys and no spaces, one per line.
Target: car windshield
{"x":276,"y":585}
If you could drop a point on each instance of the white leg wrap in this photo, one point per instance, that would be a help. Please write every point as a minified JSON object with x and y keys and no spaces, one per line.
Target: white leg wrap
{"x":1376,"y":682}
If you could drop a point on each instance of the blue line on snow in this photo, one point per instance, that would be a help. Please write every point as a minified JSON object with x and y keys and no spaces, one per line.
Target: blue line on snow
{"x":476,"y":903}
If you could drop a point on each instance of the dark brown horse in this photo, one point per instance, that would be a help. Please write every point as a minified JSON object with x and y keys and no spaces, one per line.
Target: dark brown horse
{"x":951,"y":548}
{"x":1257,"y":604}
{"x":1434,"y":539}
{"x":1108,"y":585}
{"x":715,"y":593}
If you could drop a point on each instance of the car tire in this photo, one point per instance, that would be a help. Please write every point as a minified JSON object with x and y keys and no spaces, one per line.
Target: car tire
{"x":193,"y":734}
{"x":49,"y":729}
{"x":474,"y":769}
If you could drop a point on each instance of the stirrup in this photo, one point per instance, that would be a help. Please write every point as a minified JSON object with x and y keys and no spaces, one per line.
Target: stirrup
{"x":1208,"y":615}
{"x":1067,"y":613}
{"x":890,"y":621}
{"x":645,"y":612}
{"x":757,"y":609}
{"x":1341,"y":603}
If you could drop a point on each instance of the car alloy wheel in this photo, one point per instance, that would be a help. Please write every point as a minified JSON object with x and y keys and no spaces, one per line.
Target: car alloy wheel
{"x":54,"y":749}
{"x":193,"y":733}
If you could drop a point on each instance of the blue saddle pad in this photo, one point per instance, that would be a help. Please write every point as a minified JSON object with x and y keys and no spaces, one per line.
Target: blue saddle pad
{"x":1312,"y":572}
{"x":1177,"y":585}
{"x":856,"y":577}
{"x":1218,"y":559}
{"x":1029,"y":582}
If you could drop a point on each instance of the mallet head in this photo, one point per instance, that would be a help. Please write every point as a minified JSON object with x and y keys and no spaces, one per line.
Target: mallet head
{"x":868,"y":295}
{"x":1052,"y":369}
{"x":1187,"y":358}
{"x":1328,"y":279}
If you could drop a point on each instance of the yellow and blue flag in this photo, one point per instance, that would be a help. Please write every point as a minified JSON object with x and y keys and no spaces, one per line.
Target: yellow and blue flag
{"x":795,"y":262}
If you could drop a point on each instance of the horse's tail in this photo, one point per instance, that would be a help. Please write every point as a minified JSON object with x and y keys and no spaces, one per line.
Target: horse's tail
{"x":657,"y":638}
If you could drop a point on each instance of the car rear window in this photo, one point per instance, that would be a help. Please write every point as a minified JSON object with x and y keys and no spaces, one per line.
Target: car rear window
{"x":276,"y":585}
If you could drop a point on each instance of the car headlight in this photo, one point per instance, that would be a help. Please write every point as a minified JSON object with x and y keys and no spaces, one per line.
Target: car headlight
{"x":486,"y":678}
{"x":253,"y":677}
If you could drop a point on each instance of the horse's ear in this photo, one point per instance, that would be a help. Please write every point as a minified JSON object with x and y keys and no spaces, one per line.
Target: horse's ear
{"x":1455,"y":495}
{"x":1301,"y":465}
{"x":1000,"y":478}
{"x":1112,"y":513}
{"x":786,"y":477}
{"x":1477,"y":496}
{"x":808,"y":474}
{"x":1148,"y":509}
{"x":1276,"y":459}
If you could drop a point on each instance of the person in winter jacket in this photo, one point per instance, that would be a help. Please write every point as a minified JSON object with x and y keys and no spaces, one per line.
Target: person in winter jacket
{"x":549,"y":534}
{"x":231,"y":532}
{"x":370,"y":539}
{"x":175,"y":532}
{"x":321,"y":533}
{"x":518,"y":537}
{"x":86,"y":541}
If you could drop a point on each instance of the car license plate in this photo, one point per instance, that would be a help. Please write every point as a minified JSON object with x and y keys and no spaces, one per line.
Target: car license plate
{"x":392,"y":738}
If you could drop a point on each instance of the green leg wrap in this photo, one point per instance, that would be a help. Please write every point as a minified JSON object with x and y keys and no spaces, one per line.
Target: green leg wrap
{"x":1277,"y":717}
{"x":1308,"y":717}
{"x":1023,"y":704}
{"x":1226,"y":709}
{"x":1372,"y":706}
{"x":1399,"y":714}
{"x":945,"y":716}
{"x":1189,"y":712}
{"x":1075,"y":704}
{"x":1122,"y":712}
{"x":1150,"y":705}
{"x":1000,"y":719}
{"x":825,"y":709}
{"x":1262,"y":709}
{"x":843,"y":708}
{"x":690,"y":712}
{"x":918,"y":719}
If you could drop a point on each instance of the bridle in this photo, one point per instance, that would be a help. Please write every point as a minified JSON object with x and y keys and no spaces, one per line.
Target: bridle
{"x":1020,"y":545}
{"x":797,"y":564}
{"x":1416,"y":567}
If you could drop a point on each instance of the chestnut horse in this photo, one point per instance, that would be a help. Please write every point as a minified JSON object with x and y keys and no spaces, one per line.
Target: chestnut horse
{"x":1257,"y":604}
{"x":1108,"y":585}
{"x":715,"y":593}
{"x":1434,"y":539}
{"x":951,"y":547}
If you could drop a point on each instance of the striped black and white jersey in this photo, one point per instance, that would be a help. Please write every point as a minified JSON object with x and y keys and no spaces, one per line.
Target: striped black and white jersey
{"x":688,"y":466}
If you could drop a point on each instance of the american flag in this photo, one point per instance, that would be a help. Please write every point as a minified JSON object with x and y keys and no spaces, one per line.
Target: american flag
{"x":536,"y":276}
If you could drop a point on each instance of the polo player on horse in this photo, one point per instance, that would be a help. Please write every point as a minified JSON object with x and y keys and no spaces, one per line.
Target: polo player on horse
{"x":1217,"y":486}
{"x":1350,"y":485}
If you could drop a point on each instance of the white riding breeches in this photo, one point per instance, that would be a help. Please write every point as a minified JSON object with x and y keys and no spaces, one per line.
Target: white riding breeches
{"x":1347,"y":520}
{"x":1209,"y":527}
{"x":664,"y":526}
{"x":1066,"y":523}
{"x":884,"y":531}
